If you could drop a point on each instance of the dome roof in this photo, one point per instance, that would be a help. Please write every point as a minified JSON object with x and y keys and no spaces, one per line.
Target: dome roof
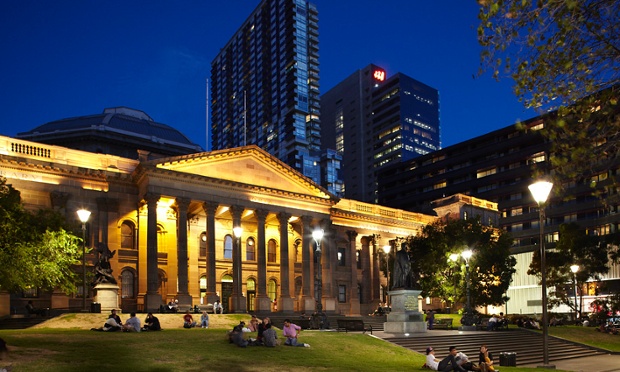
{"x":123,"y":120}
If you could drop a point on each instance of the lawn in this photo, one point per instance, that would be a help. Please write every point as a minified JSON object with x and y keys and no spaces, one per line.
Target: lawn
{"x":177,"y":349}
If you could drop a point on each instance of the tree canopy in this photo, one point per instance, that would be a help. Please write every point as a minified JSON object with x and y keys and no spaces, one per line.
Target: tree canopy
{"x":491,"y":266}
{"x":574,"y":247}
{"x":35,"y":249}
{"x":564,"y":55}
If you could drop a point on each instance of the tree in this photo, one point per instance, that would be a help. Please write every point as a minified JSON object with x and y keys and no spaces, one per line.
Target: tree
{"x":491,"y":266}
{"x":564,"y":55}
{"x":35,"y":249}
{"x":574,"y":247}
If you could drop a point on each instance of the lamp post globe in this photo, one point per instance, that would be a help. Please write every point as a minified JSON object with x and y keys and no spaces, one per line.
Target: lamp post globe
{"x":83,"y":215}
{"x":540,"y":192}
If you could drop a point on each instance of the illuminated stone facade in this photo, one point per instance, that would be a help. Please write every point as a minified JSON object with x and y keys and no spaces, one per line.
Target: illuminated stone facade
{"x":171,"y":222}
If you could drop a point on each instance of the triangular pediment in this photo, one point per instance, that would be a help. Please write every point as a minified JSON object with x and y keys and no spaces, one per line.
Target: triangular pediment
{"x":247,"y":165}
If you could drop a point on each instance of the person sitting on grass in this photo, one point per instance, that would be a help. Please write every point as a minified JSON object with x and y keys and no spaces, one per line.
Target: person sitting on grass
{"x":486,"y":360}
{"x":151,"y":323}
{"x":253,"y":326}
{"x":447,"y":364}
{"x":188,"y":320}
{"x":270,"y":338}
{"x":291,"y":331}
{"x":132,"y":324}
{"x":204,"y":320}
{"x":236,"y":335}
{"x":113,"y":323}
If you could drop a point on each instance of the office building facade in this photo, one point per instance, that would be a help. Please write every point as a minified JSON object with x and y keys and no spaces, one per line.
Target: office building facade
{"x":499,"y":167}
{"x":265,"y":85}
{"x":373,"y":120}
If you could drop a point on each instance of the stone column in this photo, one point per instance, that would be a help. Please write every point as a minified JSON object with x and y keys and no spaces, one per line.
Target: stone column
{"x":376,"y":273}
{"x":182,"y":257}
{"x":263,"y":303}
{"x":152,"y":298}
{"x":285,"y":302}
{"x":365,"y":264}
{"x":237,"y":299}
{"x":307,"y":265}
{"x":210,"y":208}
{"x":354,"y":300}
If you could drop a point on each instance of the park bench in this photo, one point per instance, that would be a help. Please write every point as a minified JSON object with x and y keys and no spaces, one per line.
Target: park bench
{"x":442,"y":323}
{"x":353,"y":325}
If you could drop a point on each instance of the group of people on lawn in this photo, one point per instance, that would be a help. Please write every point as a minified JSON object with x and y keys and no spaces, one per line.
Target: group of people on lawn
{"x":457,"y":361}
{"x":265,"y":334}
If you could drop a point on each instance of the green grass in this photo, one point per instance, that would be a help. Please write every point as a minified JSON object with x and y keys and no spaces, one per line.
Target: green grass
{"x":588,"y":336}
{"x":68,"y":350}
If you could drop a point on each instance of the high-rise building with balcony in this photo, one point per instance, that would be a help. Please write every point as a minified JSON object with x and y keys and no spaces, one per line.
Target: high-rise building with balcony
{"x":265,"y":85}
{"x":373,"y":120}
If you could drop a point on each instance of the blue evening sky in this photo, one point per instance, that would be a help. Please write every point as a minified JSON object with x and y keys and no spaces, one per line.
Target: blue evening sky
{"x":67,"y":58}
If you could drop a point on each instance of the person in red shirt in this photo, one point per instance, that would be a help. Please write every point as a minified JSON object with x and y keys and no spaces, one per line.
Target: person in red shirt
{"x":188,"y":320}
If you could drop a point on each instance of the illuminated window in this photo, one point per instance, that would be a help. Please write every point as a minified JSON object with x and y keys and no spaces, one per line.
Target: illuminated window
{"x":203,"y":244}
{"x":250,"y":250}
{"x":341,"y":256}
{"x":127,"y":284}
{"x":486,"y":172}
{"x":128,"y":235}
{"x":228,"y":243}
{"x":271,"y":251}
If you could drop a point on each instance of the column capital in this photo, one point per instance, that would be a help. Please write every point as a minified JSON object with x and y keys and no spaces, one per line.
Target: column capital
{"x":236,"y":211}
{"x":210,"y":207}
{"x":283,"y":217}
{"x":352,"y":235}
{"x":151,"y":197}
{"x":183,"y":203}
{"x":261,"y":214}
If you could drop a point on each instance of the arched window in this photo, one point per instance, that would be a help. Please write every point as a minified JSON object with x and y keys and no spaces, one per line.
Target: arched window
{"x":250,"y":250}
{"x":251,"y":293}
{"x":128,"y":240}
{"x":228,"y":243}
{"x":203,"y":244}
{"x":271,"y":251}
{"x":271,"y":289}
{"x":128,"y":284}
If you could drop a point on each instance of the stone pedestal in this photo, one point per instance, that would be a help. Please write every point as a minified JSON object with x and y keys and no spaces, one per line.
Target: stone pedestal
{"x":309,"y":304}
{"x":107,"y":295}
{"x":263,"y":304}
{"x":405,"y":316}
{"x":237,"y":304}
{"x":286,"y":304}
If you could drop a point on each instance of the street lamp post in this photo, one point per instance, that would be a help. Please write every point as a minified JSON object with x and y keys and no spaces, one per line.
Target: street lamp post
{"x":574,"y":269}
{"x":83,"y":215}
{"x":387,"y":249}
{"x":540,"y":191}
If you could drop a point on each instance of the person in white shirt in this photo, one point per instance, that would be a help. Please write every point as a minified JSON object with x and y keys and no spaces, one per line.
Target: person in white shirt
{"x":132,"y":324}
{"x":449,"y":363}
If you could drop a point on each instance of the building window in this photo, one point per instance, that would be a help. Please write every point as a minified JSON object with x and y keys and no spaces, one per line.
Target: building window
{"x":203,"y":288}
{"x":342,"y":293}
{"x":358,"y":258}
{"x":271,"y":289}
{"x":271,"y":251}
{"x":341,"y":256}
{"x":516,"y":211}
{"x":228,"y":243}
{"x":250,"y":250}
{"x":203,"y":244}
{"x":486,"y":172}
{"x":128,"y":235}
{"x":128,"y":284}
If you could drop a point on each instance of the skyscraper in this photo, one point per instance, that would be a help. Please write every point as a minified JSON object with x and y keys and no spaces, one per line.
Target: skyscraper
{"x":265,"y":85}
{"x":373,"y":120}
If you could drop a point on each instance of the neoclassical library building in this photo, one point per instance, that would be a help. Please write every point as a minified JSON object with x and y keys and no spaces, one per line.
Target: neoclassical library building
{"x":232,"y":225}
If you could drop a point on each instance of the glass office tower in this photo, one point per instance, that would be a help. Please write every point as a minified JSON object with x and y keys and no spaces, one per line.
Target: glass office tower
{"x":373,"y":120}
{"x":265,"y":85}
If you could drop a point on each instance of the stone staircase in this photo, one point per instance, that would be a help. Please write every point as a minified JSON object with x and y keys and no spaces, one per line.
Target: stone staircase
{"x":526,"y":344}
